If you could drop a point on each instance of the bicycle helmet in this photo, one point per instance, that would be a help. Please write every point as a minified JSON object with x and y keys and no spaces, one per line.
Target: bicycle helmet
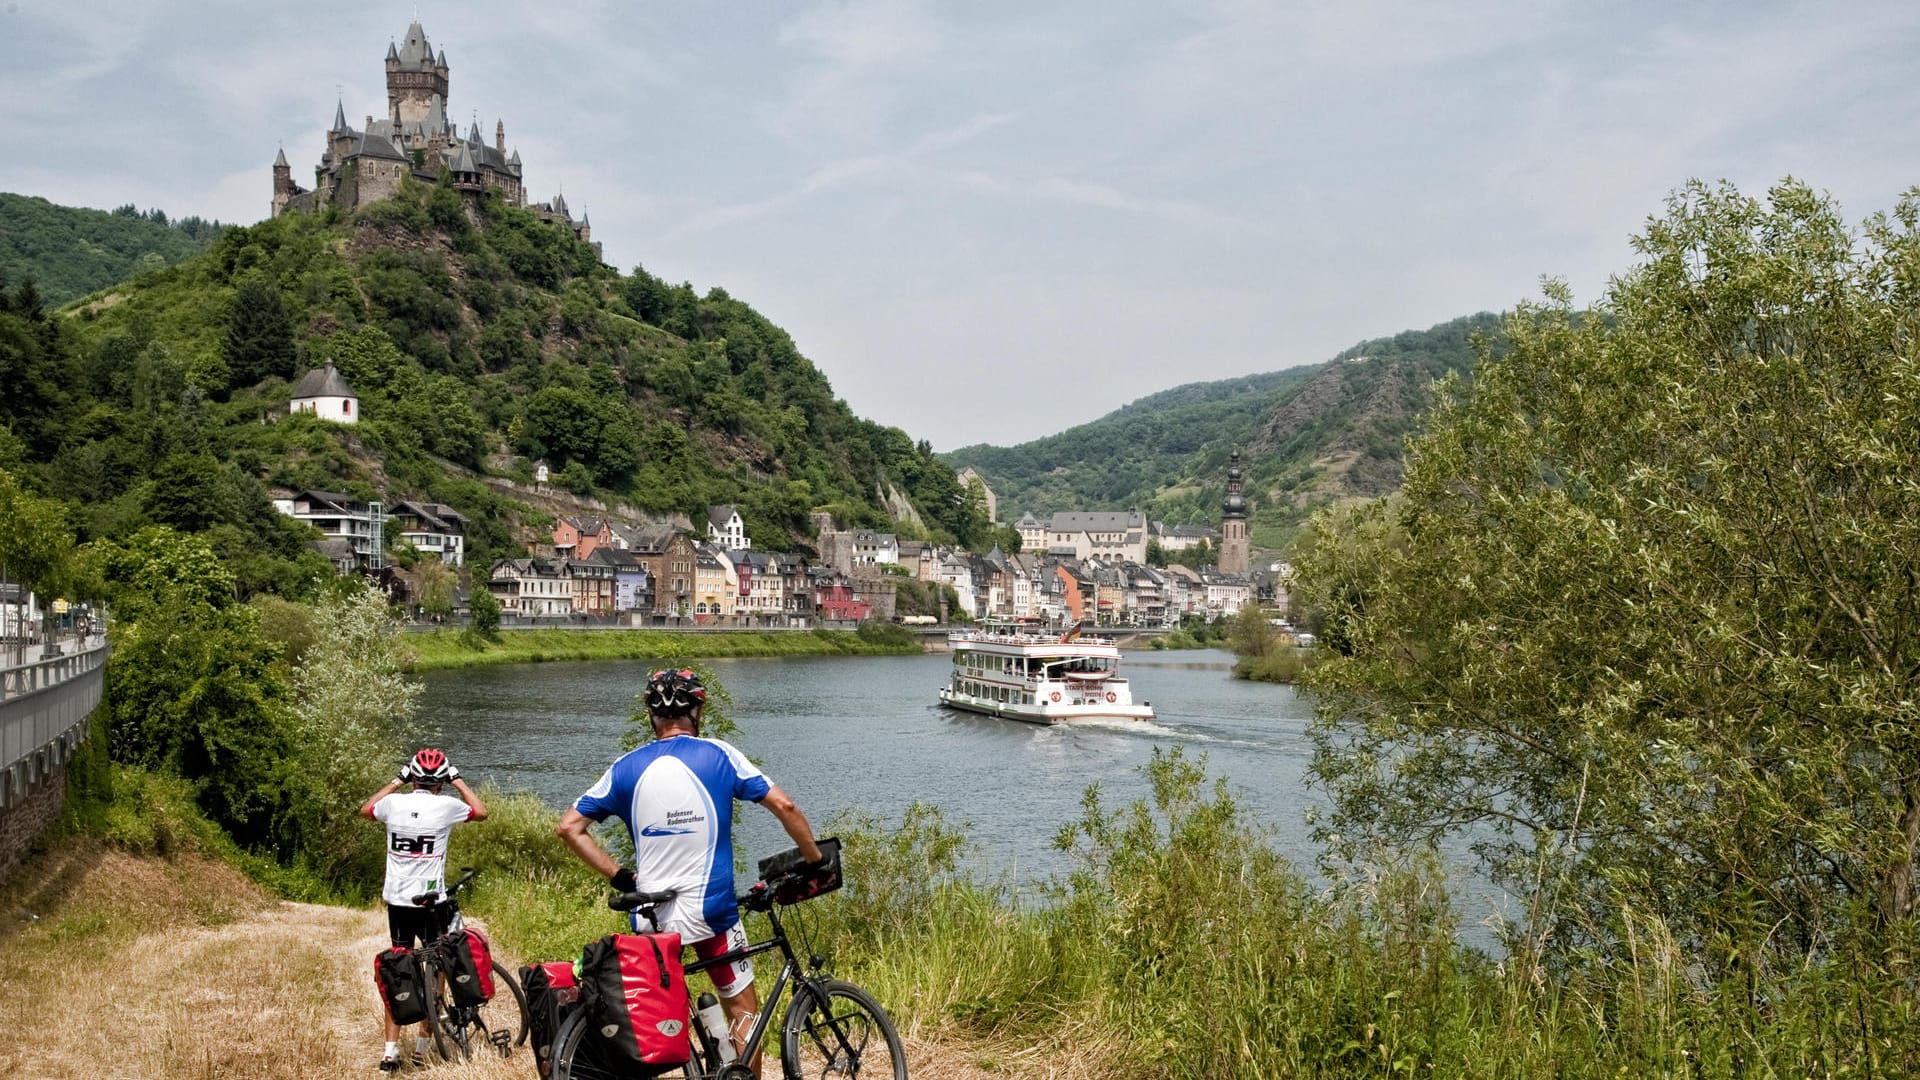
{"x":674,"y":692}
{"x":430,"y":767}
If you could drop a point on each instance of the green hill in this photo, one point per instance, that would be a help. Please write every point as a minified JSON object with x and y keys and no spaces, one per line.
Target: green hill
{"x":69,"y":252}
{"x":478,"y":340}
{"x":1309,"y":435}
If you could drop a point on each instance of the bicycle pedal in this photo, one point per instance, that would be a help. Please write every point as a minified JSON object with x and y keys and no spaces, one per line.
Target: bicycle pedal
{"x":503,"y":1041}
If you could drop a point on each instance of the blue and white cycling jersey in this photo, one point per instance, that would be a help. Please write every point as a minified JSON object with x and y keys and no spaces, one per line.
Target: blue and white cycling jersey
{"x":676,"y":796}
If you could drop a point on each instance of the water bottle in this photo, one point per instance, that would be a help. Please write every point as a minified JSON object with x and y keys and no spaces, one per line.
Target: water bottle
{"x":715,"y":1021}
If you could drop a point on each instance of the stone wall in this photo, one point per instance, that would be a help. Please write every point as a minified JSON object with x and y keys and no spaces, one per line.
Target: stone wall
{"x":21,"y":824}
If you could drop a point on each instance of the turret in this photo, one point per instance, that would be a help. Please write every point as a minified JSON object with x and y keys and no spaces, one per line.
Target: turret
{"x":414,"y":76}
{"x":500,"y":135}
{"x":282,"y":182}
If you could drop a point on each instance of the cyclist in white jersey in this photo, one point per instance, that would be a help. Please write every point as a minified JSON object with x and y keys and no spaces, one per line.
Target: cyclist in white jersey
{"x":418,"y":823}
{"x":676,"y":796}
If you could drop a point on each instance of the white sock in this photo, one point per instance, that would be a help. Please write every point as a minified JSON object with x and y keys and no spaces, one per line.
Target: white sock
{"x":420,"y":1045}
{"x":393,"y":1049}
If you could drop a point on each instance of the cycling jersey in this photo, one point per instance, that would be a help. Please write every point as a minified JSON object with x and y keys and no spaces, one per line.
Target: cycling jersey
{"x":676,"y":796}
{"x":418,"y":824}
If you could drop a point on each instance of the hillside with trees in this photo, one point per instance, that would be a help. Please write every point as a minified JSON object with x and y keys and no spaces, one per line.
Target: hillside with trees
{"x":69,"y":251}
{"x":479,"y":339}
{"x":1310,"y":436}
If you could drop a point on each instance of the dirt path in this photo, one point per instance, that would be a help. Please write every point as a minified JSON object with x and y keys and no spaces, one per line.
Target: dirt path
{"x":118,"y":967}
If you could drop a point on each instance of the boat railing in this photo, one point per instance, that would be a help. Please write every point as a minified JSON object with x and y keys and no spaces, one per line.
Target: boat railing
{"x":1013,"y":638}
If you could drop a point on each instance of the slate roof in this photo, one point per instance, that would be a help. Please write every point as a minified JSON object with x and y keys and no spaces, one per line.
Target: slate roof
{"x":280,"y":160}
{"x":718,"y":516}
{"x":322,"y":382}
{"x":1097,"y":521}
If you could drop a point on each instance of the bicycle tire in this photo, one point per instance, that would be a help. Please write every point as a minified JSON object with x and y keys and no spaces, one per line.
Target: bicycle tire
{"x":829,"y":1031}
{"x":464,"y":1029}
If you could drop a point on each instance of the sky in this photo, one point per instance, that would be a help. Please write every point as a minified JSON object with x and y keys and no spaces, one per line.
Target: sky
{"x":988,"y":221}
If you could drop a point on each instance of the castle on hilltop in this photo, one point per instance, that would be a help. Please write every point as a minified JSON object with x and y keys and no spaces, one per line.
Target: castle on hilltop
{"x":365,"y":165}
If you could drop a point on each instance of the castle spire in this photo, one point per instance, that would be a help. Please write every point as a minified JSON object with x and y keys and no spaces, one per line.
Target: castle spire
{"x":339,"y":116}
{"x":500,"y":135}
{"x":280,"y":159}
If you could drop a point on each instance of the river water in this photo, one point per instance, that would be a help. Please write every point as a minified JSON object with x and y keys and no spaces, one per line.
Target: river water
{"x":864,"y":733}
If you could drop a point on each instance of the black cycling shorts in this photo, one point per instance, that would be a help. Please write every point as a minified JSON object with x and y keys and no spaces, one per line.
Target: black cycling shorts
{"x":405,"y":924}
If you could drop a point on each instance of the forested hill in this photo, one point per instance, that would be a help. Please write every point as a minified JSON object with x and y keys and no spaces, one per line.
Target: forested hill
{"x":478,"y":340}
{"x":1309,"y":435}
{"x":68,"y":252}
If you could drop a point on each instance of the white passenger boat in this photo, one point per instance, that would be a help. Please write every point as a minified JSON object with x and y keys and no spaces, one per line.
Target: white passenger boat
{"x":1019,"y":673}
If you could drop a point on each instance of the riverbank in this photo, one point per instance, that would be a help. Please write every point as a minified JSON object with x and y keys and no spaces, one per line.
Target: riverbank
{"x":442,"y":649}
{"x":230,"y":982}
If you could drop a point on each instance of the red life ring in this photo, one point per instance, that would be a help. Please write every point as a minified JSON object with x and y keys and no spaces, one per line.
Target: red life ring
{"x":1056,"y":697}
{"x":1112,"y":697}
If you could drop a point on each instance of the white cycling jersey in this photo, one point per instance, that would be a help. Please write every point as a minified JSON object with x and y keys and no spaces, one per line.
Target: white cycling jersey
{"x":418,"y":824}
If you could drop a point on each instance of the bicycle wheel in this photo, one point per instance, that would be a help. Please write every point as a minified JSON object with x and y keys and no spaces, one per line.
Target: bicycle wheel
{"x":491,"y":1027}
{"x":835,"y":1029}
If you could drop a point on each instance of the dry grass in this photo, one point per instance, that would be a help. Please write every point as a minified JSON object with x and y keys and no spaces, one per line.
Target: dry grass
{"x":182,"y":969}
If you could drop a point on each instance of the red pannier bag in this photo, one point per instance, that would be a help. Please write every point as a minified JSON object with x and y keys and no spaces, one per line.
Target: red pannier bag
{"x":551,"y":997}
{"x":402,"y":989}
{"x":469,"y":967}
{"x":635,"y":994}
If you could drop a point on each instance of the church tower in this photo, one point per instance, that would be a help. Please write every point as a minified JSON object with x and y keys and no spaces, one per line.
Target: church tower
{"x":414,"y":78}
{"x":1234,"y":557}
{"x":283,"y":188}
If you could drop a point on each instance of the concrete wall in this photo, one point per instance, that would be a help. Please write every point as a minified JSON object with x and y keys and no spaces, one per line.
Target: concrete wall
{"x":23,"y":822}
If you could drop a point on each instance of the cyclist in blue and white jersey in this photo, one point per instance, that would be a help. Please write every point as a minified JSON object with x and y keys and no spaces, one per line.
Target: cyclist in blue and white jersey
{"x":676,"y":796}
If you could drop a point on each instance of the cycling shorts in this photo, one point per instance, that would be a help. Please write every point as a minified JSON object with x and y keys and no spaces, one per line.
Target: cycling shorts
{"x":409,"y":922}
{"x":728,"y":980}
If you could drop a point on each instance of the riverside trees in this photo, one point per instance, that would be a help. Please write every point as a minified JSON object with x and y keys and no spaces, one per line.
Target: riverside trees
{"x":1644,"y":621}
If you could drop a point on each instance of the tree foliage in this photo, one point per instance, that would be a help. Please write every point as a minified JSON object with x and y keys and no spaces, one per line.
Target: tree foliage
{"x":72,"y":251}
{"x":1644,"y":624}
{"x":259,"y":334}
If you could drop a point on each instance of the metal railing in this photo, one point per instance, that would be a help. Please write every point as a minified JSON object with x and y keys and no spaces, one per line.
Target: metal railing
{"x":44,"y":705}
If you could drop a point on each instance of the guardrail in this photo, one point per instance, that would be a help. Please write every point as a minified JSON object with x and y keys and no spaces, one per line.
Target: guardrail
{"x":44,"y":705}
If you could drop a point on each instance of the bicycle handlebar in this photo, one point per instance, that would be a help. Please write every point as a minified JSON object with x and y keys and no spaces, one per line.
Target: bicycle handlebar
{"x":428,"y":899}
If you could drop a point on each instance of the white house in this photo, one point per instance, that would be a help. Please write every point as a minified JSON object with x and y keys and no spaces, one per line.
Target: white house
{"x":325,"y":393}
{"x":727,"y":531}
{"x":875,"y":548}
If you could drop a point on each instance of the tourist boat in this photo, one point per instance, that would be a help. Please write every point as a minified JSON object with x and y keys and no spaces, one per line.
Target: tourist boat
{"x":1020,"y":673}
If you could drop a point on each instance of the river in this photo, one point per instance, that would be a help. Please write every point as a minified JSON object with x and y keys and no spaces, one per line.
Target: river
{"x":863,"y":733}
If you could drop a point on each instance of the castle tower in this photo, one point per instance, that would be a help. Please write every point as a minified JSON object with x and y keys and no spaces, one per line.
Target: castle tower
{"x":414,"y":77}
{"x":500,"y":135}
{"x":1234,"y":556}
{"x":282,"y":182}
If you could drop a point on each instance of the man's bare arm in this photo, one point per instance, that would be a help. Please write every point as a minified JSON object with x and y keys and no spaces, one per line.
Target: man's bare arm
{"x":393,"y":785}
{"x":792,"y":820}
{"x":476,"y":810}
{"x":573,"y":830}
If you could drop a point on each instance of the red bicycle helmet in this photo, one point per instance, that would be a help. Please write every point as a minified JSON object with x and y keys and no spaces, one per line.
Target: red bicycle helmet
{"x":430,"y":767}
{"x":674,"y":692}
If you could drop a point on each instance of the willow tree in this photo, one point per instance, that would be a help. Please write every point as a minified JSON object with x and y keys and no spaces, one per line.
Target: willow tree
{"x":1642,"y":624}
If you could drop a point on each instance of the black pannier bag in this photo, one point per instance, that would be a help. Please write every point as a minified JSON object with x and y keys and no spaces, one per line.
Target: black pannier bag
{"x":793,"y":880}
{"x":552,"y":995}
{"x":397,"y":973}
{"x":635,"y":994}
{"x":469,"y":967}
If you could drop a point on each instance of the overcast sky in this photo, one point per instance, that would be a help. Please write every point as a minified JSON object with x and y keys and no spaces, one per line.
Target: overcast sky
{"x":988,"y":221}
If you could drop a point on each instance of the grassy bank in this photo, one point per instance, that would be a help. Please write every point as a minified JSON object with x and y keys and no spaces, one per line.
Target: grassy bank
{"x":453,"y":649}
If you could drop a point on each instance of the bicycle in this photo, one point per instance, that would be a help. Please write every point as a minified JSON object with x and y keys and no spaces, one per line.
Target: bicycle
{"x":458,"y":1029}
{"x":829,"y":1029}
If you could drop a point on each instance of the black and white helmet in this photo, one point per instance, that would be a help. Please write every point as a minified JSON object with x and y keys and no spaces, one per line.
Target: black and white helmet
{"x":674,"y":692}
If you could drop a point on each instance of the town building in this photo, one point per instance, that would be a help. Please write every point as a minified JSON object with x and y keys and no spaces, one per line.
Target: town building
{"x":668,"y":555}
{"x":593,"y":590}
{"x":324,"y":393}
{"x":1117,"y":535}
{"x":1177,"y":538}
{"x":353,"y":530}
{"x":726,"y":529}
{"x":432,"y":528}
{"x":532,"y":588}
{"x":715,"y":587}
